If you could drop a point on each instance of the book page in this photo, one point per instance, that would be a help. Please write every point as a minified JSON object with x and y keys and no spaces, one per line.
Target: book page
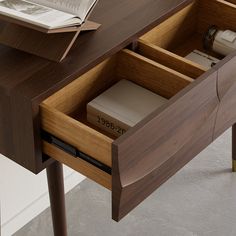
{"x":36,"y":14}
{"x":79,"y":8}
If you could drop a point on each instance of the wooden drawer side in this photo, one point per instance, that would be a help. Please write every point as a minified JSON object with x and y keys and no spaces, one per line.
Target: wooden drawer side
{"x":170,"y":59}
{"x":140,"y":155}
{"x":79,"y":165}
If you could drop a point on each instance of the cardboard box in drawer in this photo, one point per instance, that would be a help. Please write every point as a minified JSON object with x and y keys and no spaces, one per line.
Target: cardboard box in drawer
{"x":122,"y":106}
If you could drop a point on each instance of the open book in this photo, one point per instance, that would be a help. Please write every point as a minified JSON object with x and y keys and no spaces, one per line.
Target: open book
{"x":48,"y":14}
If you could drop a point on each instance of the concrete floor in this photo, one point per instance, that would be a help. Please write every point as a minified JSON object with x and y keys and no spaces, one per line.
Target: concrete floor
{"x":200,"y":200}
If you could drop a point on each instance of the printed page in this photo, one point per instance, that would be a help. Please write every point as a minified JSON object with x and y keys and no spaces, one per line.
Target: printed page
{"x":36,"y":14}
{"x":79,"y":8}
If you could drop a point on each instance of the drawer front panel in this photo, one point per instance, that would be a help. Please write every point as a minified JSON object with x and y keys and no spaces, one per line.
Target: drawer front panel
{"x":148,"y":155}
{"x":227,"y":94}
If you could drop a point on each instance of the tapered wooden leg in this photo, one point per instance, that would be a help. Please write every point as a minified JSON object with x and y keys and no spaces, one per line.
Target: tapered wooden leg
{"x":234,"y":148}
{"x":57,"y":198}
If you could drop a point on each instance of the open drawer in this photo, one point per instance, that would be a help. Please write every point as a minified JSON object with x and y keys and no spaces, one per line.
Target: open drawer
{"x":139,"y":161}
{"x":135,"y":164}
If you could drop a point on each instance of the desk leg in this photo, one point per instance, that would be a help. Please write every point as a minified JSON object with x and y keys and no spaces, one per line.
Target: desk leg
{"x":57,"y":198}
{"x":234,"y":148}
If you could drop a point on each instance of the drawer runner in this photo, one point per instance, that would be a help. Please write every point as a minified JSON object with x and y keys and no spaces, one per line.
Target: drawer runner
{"x":74,"y":151}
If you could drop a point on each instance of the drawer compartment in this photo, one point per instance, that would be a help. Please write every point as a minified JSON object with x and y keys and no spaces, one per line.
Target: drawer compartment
{"x":171,"y":41}
{"x":64,"y":113}
{"x":150,"y":152}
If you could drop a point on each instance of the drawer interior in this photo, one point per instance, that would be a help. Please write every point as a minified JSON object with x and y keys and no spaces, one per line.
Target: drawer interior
{"x":180,"y":34}
{"x":64,"y":113}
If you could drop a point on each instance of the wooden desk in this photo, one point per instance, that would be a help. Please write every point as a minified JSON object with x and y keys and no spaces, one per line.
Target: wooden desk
{"x":37,"y":94}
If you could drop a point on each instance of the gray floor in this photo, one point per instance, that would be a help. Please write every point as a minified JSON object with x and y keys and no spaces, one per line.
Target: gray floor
{"x":199,"y":200}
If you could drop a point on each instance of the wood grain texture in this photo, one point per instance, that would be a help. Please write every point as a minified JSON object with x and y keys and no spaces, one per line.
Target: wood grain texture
{"x":77,"y":134}
{"x":217,"y":12}
{"x":170,"y":59}
{"x":57,"y":110}
{"x":79,"y":165}
{"x":90,"y":25}
{"x":175,"y":29}
{"x":226,"y":85}
{"x":184,"y":31}
{"x":50,"y":46}
{"x":85,"y":88}
{"x":149,"y":154}
{"x":6,"y":136}
{"x":28,"y":86}
{"x":150,"y":74}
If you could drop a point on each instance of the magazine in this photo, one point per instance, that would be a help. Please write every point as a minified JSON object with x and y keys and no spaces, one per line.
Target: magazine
{"x":52,"y":14}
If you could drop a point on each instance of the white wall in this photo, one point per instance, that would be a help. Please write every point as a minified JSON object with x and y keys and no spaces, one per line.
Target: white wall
{"x":25,"y":195}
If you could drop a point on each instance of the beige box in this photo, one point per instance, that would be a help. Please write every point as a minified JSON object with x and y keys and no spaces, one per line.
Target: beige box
{"x":202,"y":58}
{"x":122,"y":106}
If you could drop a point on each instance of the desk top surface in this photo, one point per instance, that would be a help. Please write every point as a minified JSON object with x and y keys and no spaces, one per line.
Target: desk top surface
{"x":122,"y":21}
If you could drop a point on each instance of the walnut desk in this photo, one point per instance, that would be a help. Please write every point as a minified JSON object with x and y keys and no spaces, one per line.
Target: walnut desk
{"x":42,"y":103}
